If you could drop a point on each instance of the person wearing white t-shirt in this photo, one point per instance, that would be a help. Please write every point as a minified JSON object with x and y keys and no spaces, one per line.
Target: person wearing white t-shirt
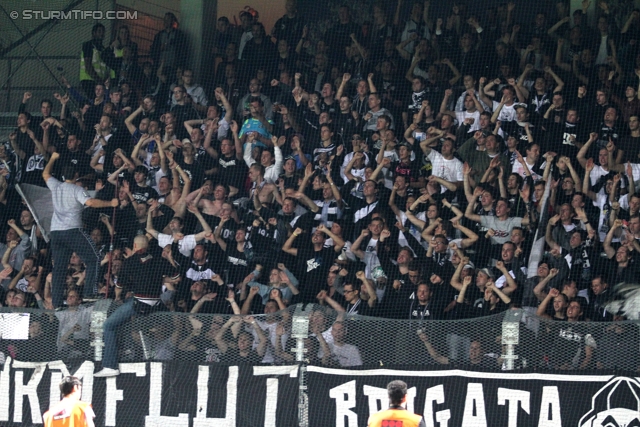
{"x":446,"y":169}
{"x":472,"y":109}
{"x":600,"y":200}
{"x":342,"y":353}
{"x":525,"y":165}
{"x":185,"y":243}
{"x":505,"y":109}
{"x":602,"y":168}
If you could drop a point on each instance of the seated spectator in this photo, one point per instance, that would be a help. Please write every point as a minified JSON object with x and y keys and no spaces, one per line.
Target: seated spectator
{"x":243,"y":350}
{"x":477,"y":357}
{"x":342,"y":354}
{"x":73,"y":332}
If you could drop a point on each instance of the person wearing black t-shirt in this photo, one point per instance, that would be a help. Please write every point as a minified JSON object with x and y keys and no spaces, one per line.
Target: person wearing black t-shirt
{"x":353,"y":304}
{"x":232,"y":169}
{"x":139,"y":189}
{"x":630,"y":144}
{"x":572,"y":345}
{"x":72,"y":154}
{"x":314,"y":260}
{"x":419,"y":304}
{"x":237,"y":254}
{"x":243,"y":351}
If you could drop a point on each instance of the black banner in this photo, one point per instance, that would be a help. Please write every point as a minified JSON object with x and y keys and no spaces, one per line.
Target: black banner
{"x":156,"y":394}
{"x":346,"y":398}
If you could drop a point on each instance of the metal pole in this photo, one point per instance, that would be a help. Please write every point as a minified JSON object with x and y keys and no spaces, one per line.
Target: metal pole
{"x":510,"y":336}
{"x":300,"y":331}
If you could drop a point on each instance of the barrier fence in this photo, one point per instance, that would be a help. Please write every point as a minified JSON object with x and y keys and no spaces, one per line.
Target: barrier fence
{"x":508,"y":369}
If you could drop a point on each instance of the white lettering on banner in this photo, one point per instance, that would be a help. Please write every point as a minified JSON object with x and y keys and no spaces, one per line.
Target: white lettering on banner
{"x":474,"y":413}
{"x":550,"y":408}
{"x":514,"y":397}
{"x":113,"y":395}
{"x":202,"y":402}
{"x":84,"y":372}
{"x":5,"y":387}
{"x":271,"y":404}
{"x":345,"y":397}
{"x":31,"y":390}
{"x":154,"y":419}
{"x":435,"y":394}
{"x":379,"y":398}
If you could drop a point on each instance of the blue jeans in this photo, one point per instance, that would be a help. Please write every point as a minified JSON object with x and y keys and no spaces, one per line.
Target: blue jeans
{"x":110,"y":330}
{"x":63,"y":244}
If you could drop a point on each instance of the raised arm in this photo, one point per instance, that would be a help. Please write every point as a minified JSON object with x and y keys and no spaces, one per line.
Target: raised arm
{"x":323,"y":297}
{"x":216,"y":234}
{"x":432,"y":351}
{"x":46,"y":173}
{"x":549,"y":232}
{"x":129,"y":120}
{"x":149,"y":229}
{"x":511,"y":285}
{"x":608,"y":249}
{"x":287,"y":247}
{"x":236,"y":140}
{"x":542,"y":308}
{"x":206,"y":229}
{"x":586,"y":182}
{"x":471,"y":238}
{"x":585,"y":148}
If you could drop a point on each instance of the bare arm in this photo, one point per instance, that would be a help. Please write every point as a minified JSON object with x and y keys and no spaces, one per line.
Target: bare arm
{"x":608,"y":249}
{"x":129,"y":120}
{"x":585,"y":147}
{"x":46,"y":173}
{"x":432,"y":351}
{"x":287,"y":247}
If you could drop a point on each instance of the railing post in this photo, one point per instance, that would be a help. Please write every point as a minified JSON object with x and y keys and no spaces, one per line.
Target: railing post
{"x":98,"y":317}
{"x":510,"y":336}
{"x":300,"y":331}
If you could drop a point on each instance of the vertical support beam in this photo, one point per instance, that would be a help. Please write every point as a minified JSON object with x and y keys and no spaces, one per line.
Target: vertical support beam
{"x":300,"y":331}
{"x":198,"y":20}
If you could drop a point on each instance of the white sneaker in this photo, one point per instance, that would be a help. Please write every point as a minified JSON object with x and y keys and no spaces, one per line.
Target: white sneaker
{"x":107,"y":372}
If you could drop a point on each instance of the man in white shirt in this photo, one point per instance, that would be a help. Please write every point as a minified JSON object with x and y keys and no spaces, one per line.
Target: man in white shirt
{"x":444,"y":165}
{"x":472,"y":109}
{"x":344,"y":354}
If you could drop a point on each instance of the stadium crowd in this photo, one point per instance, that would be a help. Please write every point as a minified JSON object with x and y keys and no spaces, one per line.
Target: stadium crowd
{"x":393,"y":169}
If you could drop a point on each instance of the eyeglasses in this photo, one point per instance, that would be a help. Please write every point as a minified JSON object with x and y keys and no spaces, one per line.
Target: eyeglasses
{"x":349,"y":292}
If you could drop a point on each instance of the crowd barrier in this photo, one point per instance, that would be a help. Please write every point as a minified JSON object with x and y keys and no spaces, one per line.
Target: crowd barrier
{"x":505,"y":369}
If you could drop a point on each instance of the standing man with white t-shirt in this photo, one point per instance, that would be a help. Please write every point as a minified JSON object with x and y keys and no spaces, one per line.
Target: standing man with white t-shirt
{"x":505,"y":109}
{"x":601,"y":167}
{"x":67,"y":234}
{"x":472,"y":109}
{"x":446,"y":169}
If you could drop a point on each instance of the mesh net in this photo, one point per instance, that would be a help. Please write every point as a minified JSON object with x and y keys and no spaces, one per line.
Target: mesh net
{"x":258,"y":135}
